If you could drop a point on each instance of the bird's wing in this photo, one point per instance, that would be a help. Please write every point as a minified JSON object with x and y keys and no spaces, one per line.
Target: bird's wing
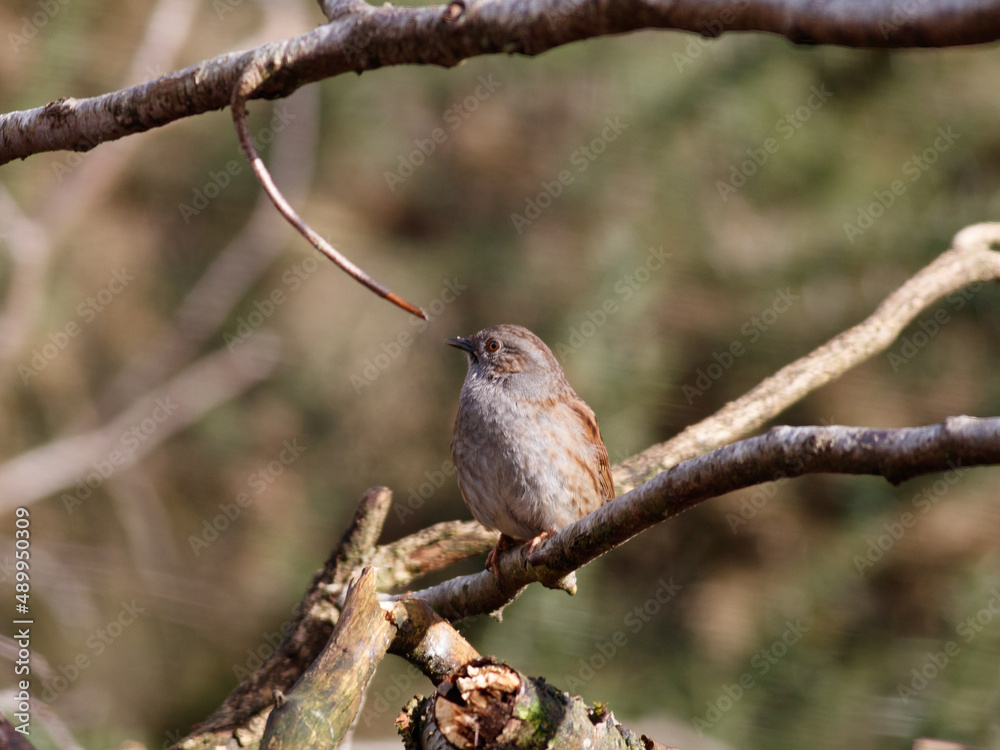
{"x":593,"y":433}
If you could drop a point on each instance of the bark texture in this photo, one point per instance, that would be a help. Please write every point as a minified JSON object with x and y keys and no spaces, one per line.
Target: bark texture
{"x":362,"y":37}
{"x":488,"y":704}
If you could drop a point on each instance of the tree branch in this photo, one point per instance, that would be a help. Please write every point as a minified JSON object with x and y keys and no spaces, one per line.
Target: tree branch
{"x":321,"y":707}
{"x":310,"y":629}
{"x":488,"y":704}
{"x":427,"y":641}
{"x":956,"y":445}
{"x":430,"y":549}
{"x":360,"y":37}
{"x":303,"y":667}
{"x":969,"y":260}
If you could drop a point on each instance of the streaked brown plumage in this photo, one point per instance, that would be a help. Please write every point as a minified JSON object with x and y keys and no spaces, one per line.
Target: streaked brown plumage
{"x":527,"y":449}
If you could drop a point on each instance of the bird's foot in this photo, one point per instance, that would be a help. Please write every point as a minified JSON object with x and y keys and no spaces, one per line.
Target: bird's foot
{"x":538,"y":540}
{"x":503,"y":543}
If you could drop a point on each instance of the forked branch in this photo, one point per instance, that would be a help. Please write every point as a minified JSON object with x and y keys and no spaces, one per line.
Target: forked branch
{"x":971,"y":259}
{"x":418,"y":635}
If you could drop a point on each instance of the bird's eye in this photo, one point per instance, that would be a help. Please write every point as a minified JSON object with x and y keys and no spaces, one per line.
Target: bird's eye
{"x":492,"y":345}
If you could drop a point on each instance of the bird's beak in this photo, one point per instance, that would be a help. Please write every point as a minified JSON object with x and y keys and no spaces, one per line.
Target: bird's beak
{"x":462,"y":343}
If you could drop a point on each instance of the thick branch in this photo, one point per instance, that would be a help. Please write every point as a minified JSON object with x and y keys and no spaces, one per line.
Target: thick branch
{"x":956,"y":445}
{"x":487,"y":704}
{"x":307,"y":633}
{"x":323,"y":704}
{"x":969,"y":260}
{"x":426,"y":641}
{"x":320,"y":709}
{"x":360,"y":37}
{"x":430,"y":549}
{"x":412,"y":629}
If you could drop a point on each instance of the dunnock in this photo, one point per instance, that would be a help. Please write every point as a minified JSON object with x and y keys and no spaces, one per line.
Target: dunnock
{"x":527,"y":450}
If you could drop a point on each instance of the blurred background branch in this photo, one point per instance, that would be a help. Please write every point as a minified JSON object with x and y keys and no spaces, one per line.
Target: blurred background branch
{"x":131,"y":435}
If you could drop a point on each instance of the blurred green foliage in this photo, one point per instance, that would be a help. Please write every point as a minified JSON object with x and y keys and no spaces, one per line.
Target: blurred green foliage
{"x":690,"y":194}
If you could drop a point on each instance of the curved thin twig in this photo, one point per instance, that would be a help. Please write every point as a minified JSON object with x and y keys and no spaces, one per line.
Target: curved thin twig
{"x":249,"y":82}
{"x":234,"y":270}
{"x":957,"y":444}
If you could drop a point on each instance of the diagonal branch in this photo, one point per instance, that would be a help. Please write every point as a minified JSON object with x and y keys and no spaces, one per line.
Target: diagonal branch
{"x":956,"y":445}
{"x":321,"y":707}
{"x":969,"y":260}
{"x":306,"y":672}
{"x":252,"y":78}
{"x":430,"y":549}
{"x":360,"y":37}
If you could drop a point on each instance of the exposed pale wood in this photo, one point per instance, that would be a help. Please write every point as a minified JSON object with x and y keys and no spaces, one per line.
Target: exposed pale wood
{"x":488,"y":704}
{"x":320,"y":708}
